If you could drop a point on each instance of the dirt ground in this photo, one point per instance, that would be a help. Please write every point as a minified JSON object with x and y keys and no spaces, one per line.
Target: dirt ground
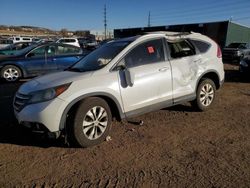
{"x":176,"y":147}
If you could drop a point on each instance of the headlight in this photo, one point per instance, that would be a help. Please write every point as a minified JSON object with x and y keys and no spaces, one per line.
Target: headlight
{"x":243,"y":63}
{"x":47,"y":94}
{"x":239,"y":53}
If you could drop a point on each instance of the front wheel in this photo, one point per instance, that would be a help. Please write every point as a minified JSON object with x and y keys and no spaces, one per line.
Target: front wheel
{"x":205,"y":94}
{"x":11,"y":73}
{"x":92,"y":122}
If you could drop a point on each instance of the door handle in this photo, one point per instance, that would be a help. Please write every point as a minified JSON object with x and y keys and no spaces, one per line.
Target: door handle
{"x":163,"y":69}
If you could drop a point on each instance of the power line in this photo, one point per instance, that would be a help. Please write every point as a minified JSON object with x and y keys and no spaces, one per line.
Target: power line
{"x":202,"y":12}
{"x":222,"y":13}
{"x":242,"y":18}
{"x":215,"y":5}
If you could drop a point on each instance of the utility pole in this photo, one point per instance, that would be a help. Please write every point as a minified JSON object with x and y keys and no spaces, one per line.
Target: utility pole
{"x":149,"y":19}
{"x":105,"y":22}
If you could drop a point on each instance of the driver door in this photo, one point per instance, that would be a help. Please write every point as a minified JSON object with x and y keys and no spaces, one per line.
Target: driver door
{"x":35,"y":61}
{"x":150,"y":76}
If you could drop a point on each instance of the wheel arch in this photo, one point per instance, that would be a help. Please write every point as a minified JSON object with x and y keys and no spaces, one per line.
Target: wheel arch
{"x":213,"y":75}
{"x":115,"y":107}
{"x":20,"y":67}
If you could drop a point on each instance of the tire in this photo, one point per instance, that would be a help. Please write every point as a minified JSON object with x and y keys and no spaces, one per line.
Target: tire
{"x":87,"y":129}
{"x":11,"y":73}
{"x":205,"y":94}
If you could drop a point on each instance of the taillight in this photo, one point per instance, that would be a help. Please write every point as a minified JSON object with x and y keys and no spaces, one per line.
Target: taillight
{"x":219,"y":54}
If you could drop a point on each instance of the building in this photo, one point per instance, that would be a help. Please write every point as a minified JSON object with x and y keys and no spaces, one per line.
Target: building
{"x":223,"y":32}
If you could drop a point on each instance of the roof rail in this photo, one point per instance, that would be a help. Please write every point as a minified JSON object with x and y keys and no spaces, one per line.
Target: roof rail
{"x":170,"y":33}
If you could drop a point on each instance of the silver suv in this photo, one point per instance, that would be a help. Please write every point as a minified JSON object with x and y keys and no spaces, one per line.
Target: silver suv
{"x":122,"y":79}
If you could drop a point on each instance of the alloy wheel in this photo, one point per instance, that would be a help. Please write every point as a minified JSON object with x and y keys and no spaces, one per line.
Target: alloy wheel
{"x":95,"y":122}
{"x":206,"y":95}
{"x":11,"y":74}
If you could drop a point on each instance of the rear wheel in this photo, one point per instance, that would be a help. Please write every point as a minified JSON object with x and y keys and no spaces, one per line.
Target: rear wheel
{"x":11,"y":73}
{"x":205,"y":94}
{"x":92,"y":123}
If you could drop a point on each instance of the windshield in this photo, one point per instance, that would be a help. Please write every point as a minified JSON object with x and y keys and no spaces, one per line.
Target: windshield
{"x":236,"y":45}
{"x":100,"y":57}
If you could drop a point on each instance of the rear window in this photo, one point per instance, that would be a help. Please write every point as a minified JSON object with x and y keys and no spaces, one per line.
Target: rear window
{"x":181,"y":49}
{"x":202,"y":46}
{"x":63,"y":50}
{"x":67,"y":40}
{"x":27,"y":39}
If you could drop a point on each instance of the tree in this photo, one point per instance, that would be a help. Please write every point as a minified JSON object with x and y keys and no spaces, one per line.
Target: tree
{"x":64,"y":32}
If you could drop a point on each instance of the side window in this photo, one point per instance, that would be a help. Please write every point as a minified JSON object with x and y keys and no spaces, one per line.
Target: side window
{"x":242,"y":46}
{"x":38,"y":52}
{"x":181,"y":49}
{"x":64,"y":50}
{"x":51,"y":50}
{"x":146,"y":53}
{"x":202,"y":46}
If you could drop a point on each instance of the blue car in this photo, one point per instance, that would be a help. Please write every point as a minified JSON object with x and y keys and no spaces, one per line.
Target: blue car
{"x":39,"y":59}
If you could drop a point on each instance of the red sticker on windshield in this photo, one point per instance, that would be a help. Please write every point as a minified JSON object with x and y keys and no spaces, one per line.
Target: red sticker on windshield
{"x":151,"y":50}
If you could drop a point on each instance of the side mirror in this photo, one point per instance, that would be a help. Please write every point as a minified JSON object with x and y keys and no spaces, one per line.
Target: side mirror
{"x":125,"y":75}
{"x":128,"y":77}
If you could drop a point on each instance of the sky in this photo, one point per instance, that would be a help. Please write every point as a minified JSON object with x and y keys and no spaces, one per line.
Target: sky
{"x":89,"y":14}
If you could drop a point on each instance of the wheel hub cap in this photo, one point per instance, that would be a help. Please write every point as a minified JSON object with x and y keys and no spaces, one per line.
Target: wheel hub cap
{"x":11,"y":74}
{"x":206,"y":95}
{"x":95,"y":122}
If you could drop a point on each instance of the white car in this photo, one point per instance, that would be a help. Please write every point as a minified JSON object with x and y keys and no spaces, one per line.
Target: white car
{"x":20,"y":39}
{"x":71,"y":41}
{"x":122,"y":79}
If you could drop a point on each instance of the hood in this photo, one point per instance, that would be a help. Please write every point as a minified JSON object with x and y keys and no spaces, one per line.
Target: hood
{"x":8,"y":57}
{"x":52,"y":80}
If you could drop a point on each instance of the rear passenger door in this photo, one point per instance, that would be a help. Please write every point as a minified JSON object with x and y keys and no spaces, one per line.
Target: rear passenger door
{"x":66,"y":56}
{"x":185,"y":63}
{"x":151,"y":76}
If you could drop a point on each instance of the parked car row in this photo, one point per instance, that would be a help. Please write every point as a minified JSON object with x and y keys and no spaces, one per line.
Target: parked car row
{"x":28,"y":59}
{"x":39,"y":59}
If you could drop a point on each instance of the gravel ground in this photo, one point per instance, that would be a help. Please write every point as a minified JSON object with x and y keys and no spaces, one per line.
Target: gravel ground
{"x":175,"y":147}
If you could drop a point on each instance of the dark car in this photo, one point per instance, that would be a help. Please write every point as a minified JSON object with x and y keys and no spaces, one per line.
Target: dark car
{"x":39,"y":59}
{"x":13,"y":48}
{"x":244,"y":66}
{"x":234,"y":52}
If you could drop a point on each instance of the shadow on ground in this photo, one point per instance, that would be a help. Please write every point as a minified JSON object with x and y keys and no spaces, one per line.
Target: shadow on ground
{"x":11,"y":132}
